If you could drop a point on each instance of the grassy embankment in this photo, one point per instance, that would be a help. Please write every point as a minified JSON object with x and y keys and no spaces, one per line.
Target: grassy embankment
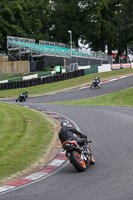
{"x":63,"y":85}
{"x":25,"y":136}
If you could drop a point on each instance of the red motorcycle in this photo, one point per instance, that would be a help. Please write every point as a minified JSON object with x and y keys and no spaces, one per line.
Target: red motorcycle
{"x":77,"y":155}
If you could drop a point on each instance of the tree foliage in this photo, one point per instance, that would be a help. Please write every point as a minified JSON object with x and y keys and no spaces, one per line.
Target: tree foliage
{"x":65,"y":16}
{"x":108,"y":25}
{"x":21,"y":18}
{"x":99,"y":23}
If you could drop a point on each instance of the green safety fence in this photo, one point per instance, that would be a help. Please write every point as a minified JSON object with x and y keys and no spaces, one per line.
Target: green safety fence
{"x":91,"y":70}
{"x":44,"y":74}
{"x":16,"y":79}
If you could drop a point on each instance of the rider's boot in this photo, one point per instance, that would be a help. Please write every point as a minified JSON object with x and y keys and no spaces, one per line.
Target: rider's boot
{"x":92,"y":160}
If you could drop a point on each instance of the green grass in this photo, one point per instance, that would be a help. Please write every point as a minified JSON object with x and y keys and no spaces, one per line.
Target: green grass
{"x":121,"y":98}
{"x":24,"y":137}
{"x":64,"y":85}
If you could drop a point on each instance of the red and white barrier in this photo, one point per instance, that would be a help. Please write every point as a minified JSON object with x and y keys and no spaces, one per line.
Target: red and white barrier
{"x":116,"y":66}
{"x":125,"y":66}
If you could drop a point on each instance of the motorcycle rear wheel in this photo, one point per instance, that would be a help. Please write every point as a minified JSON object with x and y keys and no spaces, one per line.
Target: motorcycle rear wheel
{"x":77,"y":161}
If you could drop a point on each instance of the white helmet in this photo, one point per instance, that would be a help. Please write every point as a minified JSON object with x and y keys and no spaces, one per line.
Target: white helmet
{"x":65,"y":123}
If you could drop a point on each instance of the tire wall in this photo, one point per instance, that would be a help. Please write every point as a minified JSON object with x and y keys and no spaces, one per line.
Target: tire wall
{"x":39,"y":81}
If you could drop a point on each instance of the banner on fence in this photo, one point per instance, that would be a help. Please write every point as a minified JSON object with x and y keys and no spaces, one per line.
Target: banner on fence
{"x":116,"y":66}
{"x":125,"y":66}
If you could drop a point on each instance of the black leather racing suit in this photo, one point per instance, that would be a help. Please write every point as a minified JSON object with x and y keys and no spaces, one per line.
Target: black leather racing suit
{"x":67,"y":133}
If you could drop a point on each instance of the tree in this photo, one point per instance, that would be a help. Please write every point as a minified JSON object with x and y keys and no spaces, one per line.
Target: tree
{"x":24,"y":19}
{"x":129,"y":22}
{"x":99,"y":23}
{"x":65,"y":16}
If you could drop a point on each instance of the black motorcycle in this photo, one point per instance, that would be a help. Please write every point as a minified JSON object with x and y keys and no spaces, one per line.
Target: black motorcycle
{"x":21,"y":98}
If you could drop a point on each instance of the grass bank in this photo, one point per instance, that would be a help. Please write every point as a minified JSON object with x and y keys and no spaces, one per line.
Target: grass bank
{"x":63,"y":85}
{"x":121,"y":98}
{"x":25,"y":136}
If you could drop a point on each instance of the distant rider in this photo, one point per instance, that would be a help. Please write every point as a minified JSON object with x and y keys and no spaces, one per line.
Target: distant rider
{"x":98,"y":81}
{"x":21,"y":96}
{"x":68,"y":132}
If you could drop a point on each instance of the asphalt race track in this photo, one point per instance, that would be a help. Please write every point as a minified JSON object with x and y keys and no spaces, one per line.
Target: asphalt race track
{"x":111,"y":132}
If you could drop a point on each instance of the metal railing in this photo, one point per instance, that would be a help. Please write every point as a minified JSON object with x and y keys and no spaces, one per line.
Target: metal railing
{"x":45,"y":48}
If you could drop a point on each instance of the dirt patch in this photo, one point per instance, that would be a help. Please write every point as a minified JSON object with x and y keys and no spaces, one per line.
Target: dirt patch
{"x":52,"y":151}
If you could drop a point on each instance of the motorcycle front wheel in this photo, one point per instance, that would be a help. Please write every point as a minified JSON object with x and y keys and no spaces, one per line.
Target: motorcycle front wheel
{"x":77,"y":161}
{"x":92,"y":86}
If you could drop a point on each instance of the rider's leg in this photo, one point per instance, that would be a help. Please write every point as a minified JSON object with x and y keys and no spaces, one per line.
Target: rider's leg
{"x":86,"y":146}
{"x":82,"y":142}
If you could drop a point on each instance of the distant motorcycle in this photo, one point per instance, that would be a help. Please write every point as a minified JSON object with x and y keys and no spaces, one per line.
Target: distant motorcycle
{"x":76,"y":154}
{"x":95,"y":84}
{"x":21,"y":98}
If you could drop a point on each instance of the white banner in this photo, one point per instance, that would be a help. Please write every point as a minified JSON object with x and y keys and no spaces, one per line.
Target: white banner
{"x":124,"y":66}
{"x":116,"y":66}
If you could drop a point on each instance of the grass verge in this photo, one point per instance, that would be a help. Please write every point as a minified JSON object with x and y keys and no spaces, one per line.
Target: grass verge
{"x":63,"y":85}
{"x":121,"y":98}
{"x":25,"y":136}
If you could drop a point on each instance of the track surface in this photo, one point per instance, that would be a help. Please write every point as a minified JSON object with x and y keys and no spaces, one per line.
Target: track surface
{"x":111,"y":132}
{"x":109,"y":87}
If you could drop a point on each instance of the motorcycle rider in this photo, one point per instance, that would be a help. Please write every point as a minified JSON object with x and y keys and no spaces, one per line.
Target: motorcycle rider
{"x":25,"y":94}
{"x":98,"y":81}
{"x":22,"y":96}
{"x":68,"y":132}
